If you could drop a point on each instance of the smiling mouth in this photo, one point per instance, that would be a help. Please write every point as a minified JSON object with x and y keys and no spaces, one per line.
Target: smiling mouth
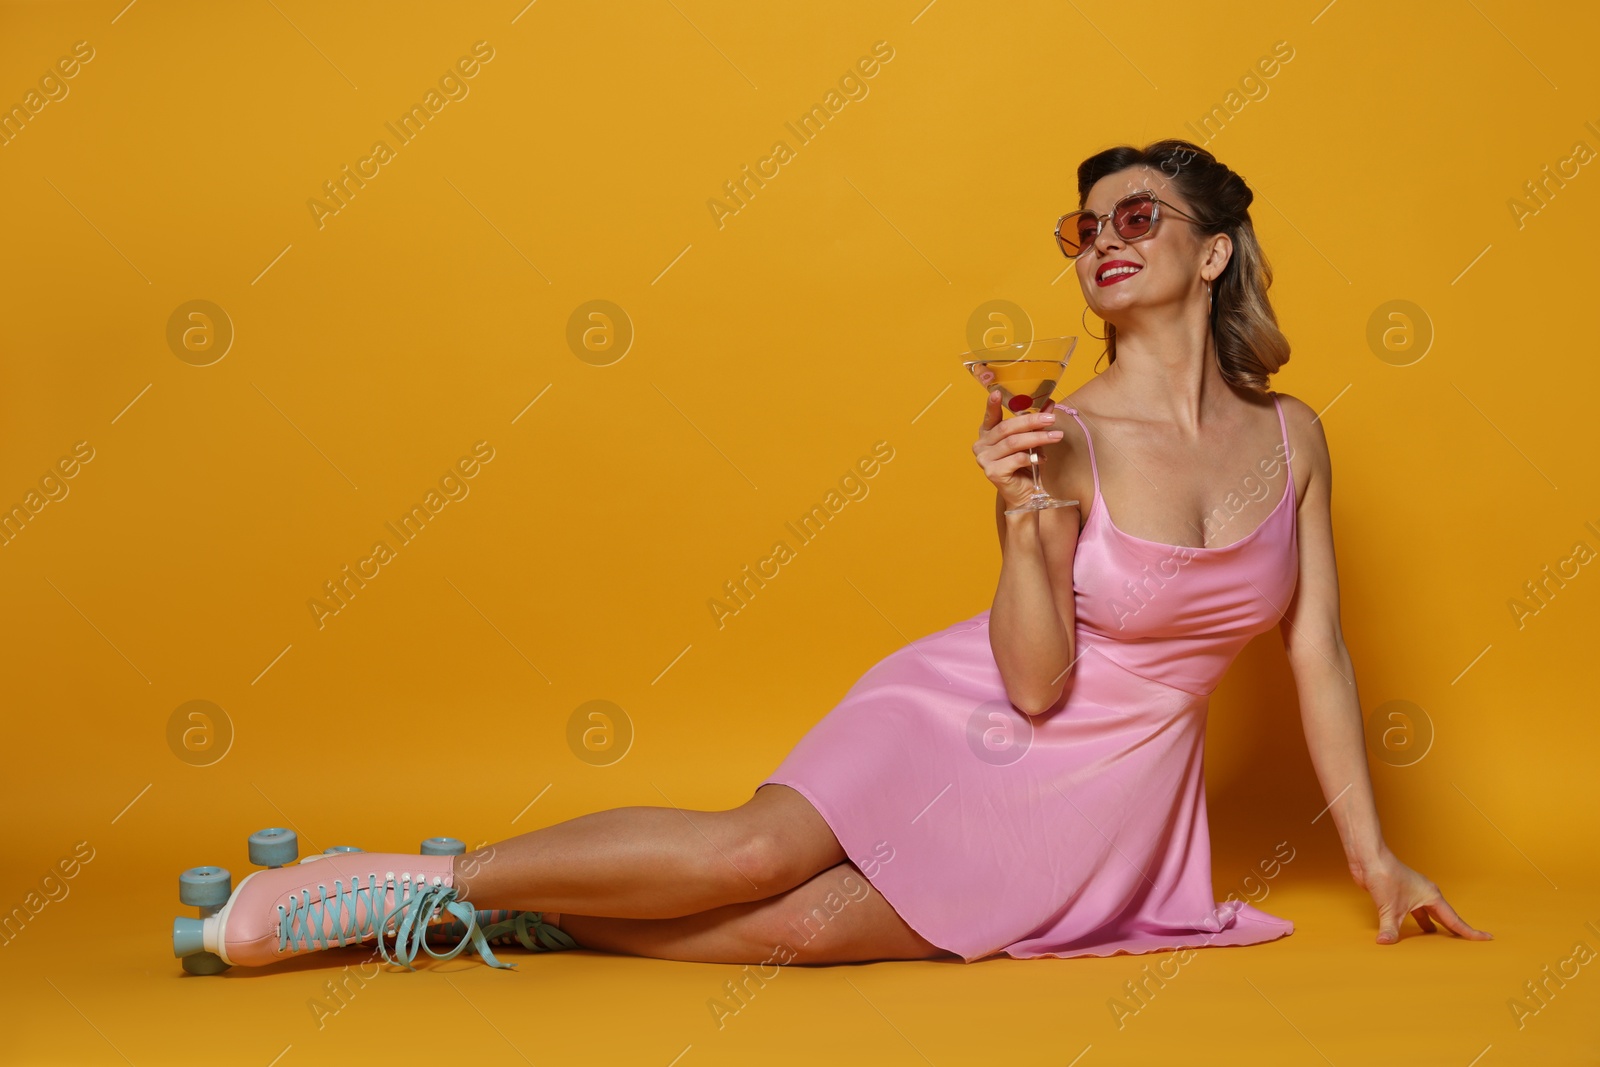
{"x":1116,"y":272}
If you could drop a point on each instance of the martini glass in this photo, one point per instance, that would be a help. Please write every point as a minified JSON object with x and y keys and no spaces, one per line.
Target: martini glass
{"x":1026,"y":374}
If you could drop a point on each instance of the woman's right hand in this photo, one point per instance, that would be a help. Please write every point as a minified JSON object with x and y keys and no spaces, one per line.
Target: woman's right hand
{"x":1003,"y":444}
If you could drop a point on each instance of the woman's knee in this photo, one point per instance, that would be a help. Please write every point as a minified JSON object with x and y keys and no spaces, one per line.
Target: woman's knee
{"x":768,"y":863}
{"x":780,"y":841}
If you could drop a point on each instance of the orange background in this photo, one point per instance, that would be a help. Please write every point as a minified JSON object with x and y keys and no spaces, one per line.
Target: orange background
{"x":771,"y":349}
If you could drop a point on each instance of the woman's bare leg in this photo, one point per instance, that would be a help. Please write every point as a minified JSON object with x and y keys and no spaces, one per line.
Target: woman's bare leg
{"x":834,"y":917}
{"x":652,"y":863}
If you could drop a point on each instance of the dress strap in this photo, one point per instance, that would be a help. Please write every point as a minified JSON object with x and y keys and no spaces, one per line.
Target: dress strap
{"x":1093,"y":467}
{"x":1284,"y":429}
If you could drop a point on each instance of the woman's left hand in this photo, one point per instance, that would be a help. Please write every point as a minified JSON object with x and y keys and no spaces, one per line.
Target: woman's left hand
{"x":1398,"y":890}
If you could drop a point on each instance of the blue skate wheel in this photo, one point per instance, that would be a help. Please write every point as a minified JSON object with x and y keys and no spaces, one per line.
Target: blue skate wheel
{"x":336,"y":849}
{"x":205,"y":887}
{"x":187,"y":937}
{"x":275,"y":847}
{"x":204,"y":963}
{"x":443,"y":846}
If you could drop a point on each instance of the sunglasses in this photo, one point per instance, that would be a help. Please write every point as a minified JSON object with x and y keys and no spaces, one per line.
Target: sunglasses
{"x":1131,"y":217}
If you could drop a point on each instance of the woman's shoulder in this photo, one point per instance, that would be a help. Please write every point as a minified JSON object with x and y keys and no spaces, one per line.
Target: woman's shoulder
{"x":1308,"y":444}
{"x":1294,"y":407}
{"x":1302,"y":417}
{"x":1085,"y":398}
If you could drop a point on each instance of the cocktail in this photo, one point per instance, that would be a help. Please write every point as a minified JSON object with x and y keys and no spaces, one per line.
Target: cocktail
{"x":1026,"y":374}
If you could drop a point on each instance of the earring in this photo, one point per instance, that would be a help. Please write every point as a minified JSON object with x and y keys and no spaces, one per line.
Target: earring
{"x":1209,"y":303}
{"x":1085,"y":321}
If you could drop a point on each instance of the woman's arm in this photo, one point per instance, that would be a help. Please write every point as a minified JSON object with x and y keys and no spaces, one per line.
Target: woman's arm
{"x":1033,"y":617}
{"x":1330,"y":710}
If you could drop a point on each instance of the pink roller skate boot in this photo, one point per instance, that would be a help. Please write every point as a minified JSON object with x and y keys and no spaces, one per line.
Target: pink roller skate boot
{"x":341,"y":898}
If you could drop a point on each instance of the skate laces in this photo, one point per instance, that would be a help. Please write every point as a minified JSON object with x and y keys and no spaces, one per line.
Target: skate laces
{"x":525,"y":926}
{"x":354,"y":912}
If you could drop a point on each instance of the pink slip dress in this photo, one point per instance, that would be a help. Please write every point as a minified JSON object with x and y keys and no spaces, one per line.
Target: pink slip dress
{"x":1082,"y":831}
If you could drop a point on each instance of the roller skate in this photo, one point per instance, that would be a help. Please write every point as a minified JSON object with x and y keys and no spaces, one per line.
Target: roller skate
{"x":343,"y":896}
{"x":502,"y":928}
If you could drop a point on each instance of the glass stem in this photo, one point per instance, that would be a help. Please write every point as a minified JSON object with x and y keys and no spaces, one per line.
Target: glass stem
{"x":1033,"y":465}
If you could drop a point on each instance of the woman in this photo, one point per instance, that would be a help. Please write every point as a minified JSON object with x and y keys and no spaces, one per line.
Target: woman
{"x":1028,"y":781}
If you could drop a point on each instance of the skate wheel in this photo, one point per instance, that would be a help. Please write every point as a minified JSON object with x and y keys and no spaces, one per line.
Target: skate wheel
{"x":336,"y":849}
{"x":443,"y":846}
{"x":205,"y":887}
{"x":188,"y":936}
{"x":204,"y":963}
{"x":276,"y":847}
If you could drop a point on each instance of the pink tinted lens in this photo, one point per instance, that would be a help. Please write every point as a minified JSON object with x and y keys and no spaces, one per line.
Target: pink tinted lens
{"x":1133,"y":216}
